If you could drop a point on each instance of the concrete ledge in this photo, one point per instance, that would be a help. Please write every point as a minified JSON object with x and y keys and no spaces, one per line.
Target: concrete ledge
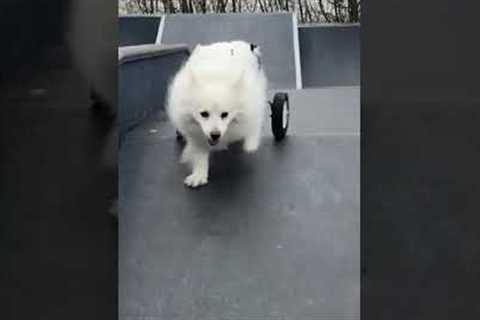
{"x":145,"y":51}
{"x":144,"y":73}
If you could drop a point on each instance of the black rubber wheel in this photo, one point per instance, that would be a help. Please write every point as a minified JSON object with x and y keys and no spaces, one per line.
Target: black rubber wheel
{"x":280,"y":115}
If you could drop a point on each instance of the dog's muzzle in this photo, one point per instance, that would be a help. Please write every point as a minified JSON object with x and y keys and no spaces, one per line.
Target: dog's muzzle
{"x":214,"y":138}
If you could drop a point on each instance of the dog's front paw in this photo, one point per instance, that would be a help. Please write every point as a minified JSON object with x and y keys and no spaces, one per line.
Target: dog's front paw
{"x":196,"y":180}
{"x":250,"y":146}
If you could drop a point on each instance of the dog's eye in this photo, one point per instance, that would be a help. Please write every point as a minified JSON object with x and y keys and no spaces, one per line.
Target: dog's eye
{"x":224,"y":115}
{"x":204,"y":114}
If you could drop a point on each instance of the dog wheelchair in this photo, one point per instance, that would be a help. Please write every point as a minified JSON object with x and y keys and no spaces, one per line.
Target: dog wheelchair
{"x":279,"y":107}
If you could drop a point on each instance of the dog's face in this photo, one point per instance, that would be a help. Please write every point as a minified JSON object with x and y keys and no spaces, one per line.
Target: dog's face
{"x":216,"y":107}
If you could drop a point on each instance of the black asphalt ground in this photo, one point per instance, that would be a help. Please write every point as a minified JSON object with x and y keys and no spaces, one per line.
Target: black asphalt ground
{"x":274,"y":235}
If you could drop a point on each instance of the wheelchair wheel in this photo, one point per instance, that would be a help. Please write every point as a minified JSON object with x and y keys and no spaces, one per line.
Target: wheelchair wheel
{"x":179,"y":136}
{"x":280,"y":115}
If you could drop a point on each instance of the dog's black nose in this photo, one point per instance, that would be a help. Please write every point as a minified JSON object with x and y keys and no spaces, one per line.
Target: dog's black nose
{"x":215,"y":136}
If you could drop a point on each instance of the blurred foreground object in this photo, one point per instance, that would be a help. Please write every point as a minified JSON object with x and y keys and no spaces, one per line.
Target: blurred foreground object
{"x":91,"y":36}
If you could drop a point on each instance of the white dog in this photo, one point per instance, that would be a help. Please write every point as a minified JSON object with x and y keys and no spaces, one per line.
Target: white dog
{"x":218,"y":97}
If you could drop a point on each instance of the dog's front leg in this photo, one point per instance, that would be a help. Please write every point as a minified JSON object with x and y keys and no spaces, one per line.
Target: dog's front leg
{"x":197,"y":157}
{"x":252,"y":141}
{"x":253,"y":129}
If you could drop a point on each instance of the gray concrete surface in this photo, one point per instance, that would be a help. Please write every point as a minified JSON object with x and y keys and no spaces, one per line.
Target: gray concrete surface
{"x":276,"y":38}
{"x":330,"y":55}
{"x":274,"y":235}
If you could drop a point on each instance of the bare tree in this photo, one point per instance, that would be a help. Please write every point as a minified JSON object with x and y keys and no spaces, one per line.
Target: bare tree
{"x":203,"y":6}
{"x":308,"y":11}
{"x":325,"y":14}
{"x":353,"y":10}
{"x":261,"y":5}
{"x":302,"y":11}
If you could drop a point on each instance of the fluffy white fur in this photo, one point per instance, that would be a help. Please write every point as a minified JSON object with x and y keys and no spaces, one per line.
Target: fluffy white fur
{"x":221,"y":91}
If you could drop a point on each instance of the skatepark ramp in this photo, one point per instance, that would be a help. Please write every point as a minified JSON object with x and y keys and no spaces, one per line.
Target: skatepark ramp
{"x":274,"y":234}
{"x":276,"y":34}
{"x":137,"y":30}
{"x":330,"y":55}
